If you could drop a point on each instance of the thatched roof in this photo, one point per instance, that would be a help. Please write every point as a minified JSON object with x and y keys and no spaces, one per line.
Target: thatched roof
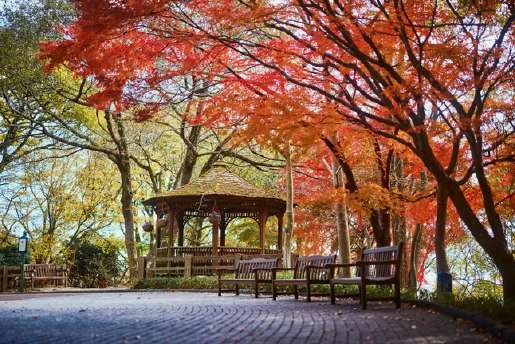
{"x":218,"y":181}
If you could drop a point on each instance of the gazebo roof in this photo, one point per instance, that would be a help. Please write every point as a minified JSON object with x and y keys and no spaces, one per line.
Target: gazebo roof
{"x":218,"y":182}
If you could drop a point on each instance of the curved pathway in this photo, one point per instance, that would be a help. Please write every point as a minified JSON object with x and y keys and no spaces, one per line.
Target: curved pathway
{"x":180,"y":317}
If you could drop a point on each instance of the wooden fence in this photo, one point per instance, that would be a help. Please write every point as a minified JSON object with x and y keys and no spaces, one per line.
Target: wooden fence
{"x":189,"y":265}
{"x":208,"y":251}
{"x":9,"y":277}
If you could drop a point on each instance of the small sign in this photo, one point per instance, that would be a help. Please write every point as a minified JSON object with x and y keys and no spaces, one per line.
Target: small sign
{"x":22,"y":245}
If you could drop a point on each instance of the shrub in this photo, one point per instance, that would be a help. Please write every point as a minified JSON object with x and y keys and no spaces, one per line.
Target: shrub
{"x":9,"y":255}
{"x":198,"y":282}
{"x":94,"y":266}
{"x":490,"y":305}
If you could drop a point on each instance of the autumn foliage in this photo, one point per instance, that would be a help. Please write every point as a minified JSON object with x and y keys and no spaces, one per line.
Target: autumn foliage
{"x":388,"y":90}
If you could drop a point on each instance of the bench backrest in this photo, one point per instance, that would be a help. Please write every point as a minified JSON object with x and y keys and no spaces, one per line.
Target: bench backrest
{"x":43,"y":270}
{"x":386,"y":253}
{"x":245,"y":268}
{"x":316,"y":274}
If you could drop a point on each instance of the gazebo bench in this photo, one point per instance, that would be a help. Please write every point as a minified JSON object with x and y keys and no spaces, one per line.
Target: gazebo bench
{"x":378,"y":266}
{"x":308,"y":270}
{"x":251,"y":272}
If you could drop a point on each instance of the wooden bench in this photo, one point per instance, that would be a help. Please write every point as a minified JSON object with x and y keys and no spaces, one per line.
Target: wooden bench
{"x":308,"y":270}
{"x":45,"y":273}
{"x":378,"y":266}
{"x":253,"y":272}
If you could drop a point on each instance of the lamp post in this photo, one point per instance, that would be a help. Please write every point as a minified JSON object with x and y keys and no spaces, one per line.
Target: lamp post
{"x":22,"y":249}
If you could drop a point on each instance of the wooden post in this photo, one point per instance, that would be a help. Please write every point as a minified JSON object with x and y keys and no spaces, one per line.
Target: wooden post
{"x":263,"y":216}
{"x":223,"y":227}
{"x":188,"y":262}
{"x":280,"y":231}
{"x":171,"y":220}
{"x":158,"y":238}
{"x":180,"y":237}
{"x":5,"y":272}
{"x":170,"y":224}
{"x":215,"y":238}
{"x":141,"y":268}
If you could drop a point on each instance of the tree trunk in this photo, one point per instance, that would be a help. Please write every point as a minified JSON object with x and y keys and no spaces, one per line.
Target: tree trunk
{"x":415,"y":243}
{"x":288,"y":229}
{"x":139,"y":248}
{"x":494,"y":245}
{"x":379,"y":219}
{"x":442,"y":267}
{"x":128,"y":216}
{"x":124,"y":167}
{"x":190,"y":158}
{"x":399,"y":220}
{"x":341,"y":223}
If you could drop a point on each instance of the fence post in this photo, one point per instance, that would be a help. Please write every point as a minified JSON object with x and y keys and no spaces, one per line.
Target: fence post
{"x":188,"y":259}
{"x":4,"y":277}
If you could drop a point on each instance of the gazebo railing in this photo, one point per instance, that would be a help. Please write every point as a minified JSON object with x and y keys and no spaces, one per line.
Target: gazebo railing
{"x":189,"y":265}
{"x":202,"y":251}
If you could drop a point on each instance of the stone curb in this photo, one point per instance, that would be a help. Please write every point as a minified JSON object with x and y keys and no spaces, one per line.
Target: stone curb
{"x":500,"y":331}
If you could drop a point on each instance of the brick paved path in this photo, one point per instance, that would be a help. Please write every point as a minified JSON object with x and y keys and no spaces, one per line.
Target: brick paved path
{"x":161,"y":317}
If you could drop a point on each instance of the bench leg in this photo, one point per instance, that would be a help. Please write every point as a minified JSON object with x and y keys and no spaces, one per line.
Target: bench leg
{"x":363,"y":296}
{"x":237,"y":290}
{"x":274,"y":291}
{"x":333,"y":296}
{"x":256,"y":292}
{"x":308,"y":287}
{"x":296,"y":292}
{"x":219,"y":287}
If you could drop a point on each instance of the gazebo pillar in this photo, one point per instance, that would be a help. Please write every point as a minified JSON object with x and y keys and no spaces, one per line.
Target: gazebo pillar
{"x":223,"y":227}
{"x":263,"y":216}
{"x":280,"y":231}
{"x":214,"y":238}
{"x":180,"y":235}
{"x":170,"y":224}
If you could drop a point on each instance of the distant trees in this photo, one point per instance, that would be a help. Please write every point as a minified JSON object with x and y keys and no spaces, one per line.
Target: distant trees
{"x":418,"y":95}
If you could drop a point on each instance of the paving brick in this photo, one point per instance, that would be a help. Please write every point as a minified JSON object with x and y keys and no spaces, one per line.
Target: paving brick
{"x":161,"y":317}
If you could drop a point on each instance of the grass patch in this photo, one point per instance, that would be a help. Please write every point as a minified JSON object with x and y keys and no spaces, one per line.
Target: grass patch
{"x":491,"y":306}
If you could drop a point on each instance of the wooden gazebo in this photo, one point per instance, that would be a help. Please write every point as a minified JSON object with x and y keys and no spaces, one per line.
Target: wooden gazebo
{"x":221,"y":196}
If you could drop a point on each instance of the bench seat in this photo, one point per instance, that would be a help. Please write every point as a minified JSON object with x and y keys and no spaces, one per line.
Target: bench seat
{"x":308,"y":270}
{"x":247,"y":272}
{"x":378,"y":266}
